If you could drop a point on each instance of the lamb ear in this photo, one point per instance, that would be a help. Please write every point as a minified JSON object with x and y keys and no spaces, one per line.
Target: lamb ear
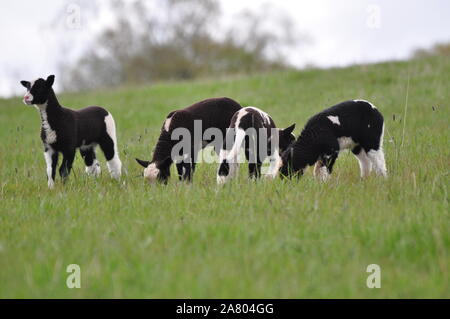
{"x":290,"y":129}
{"x":143,"y":163}
{"x":26,"y":84}
{"x":50,"y":80}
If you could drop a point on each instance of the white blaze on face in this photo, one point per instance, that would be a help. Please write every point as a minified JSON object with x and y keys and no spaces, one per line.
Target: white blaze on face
{"x":151,"y":173}
{"x":275,"y":165}
{"x":334,"y":119}
{"x":275,"y":170}
{"x":28,"y":97}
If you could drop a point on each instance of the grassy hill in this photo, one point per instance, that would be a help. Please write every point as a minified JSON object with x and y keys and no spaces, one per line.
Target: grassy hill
{"x":245,"y":240}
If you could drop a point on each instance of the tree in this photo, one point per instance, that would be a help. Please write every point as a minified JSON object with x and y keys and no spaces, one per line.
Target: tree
{"x":178,"y":39}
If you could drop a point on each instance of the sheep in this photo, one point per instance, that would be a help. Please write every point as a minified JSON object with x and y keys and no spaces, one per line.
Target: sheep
{"x":200,"y":117}
{"x":356,"y":125}
{"x":262,"y":140}
{"x":64,"y":130}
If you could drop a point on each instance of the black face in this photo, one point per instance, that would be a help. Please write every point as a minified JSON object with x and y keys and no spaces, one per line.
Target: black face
{"x":286,"y":137}
{"x":287,"y":169}
{"x":38,"y":91}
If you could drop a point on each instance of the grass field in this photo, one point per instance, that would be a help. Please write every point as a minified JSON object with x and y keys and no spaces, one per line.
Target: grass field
{"x":245,"y":240}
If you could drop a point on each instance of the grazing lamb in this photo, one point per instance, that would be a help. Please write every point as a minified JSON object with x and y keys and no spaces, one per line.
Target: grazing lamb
{"x":64,"y":130}
{"x":250,"y":123}
{"x":211,"y":113}
{"x":356,"y":125}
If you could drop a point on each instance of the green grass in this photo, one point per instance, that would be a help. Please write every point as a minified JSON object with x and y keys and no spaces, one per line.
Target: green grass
{"x":245,"y":240}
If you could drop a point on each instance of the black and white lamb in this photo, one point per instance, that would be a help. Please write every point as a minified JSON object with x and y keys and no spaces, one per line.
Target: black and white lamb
{"x":256,"y":131}
{"x":64,"y":130}
{"x":355,"y":125}
{"x":201,"y":121}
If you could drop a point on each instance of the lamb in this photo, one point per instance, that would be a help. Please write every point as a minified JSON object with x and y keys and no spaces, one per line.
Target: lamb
{"x":356,"y":125}
{"x":64,"y":130}
{"x":213,"y":113}
{"x":262,"y":139}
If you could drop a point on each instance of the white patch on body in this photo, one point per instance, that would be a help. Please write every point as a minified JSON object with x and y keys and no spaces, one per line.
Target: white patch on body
{"x":48,"y":160}
{"x":151,"y":172}
{"x":50,"y":134}
{"x":263,"y":114}
{"x":114,"y":165}
{"x":241,"y":113}
{"x":373,"y":106}
{"x":167,"y":123}
{"x":231,"y":157}
{"x":334,"y":119}
{"x":346,"y":143}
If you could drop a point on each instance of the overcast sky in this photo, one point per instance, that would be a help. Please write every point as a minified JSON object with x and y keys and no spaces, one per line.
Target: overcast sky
{"x":34,"y":34}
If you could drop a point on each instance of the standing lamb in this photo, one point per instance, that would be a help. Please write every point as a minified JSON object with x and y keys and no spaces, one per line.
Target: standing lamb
{"x":356,"y":125}
{"x":214,"y":113}
{"x":64,"y":130}
{"x":258,"y":130}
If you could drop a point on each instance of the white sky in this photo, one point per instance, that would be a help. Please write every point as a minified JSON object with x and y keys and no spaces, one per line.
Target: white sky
{"x":35,"y":37}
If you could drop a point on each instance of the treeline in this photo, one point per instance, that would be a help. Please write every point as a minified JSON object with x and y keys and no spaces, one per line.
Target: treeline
{"x":439,"y":49}
{"x":180,"y":39}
